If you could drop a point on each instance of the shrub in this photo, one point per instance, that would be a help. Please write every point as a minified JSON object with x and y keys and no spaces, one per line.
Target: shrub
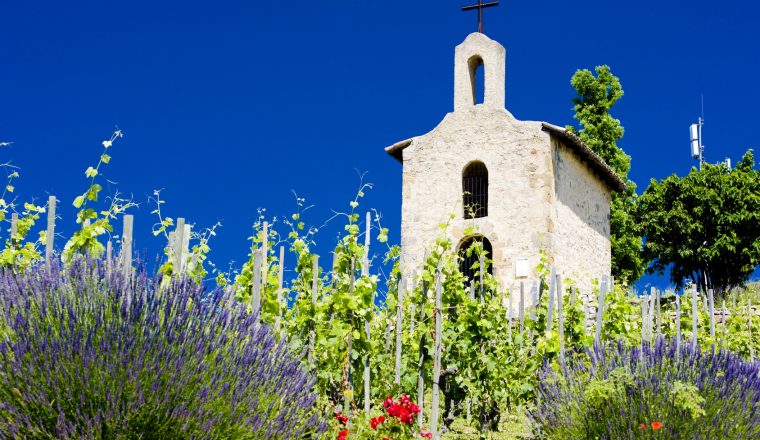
{"x":650,"y":391}
{"x":89,"y":354}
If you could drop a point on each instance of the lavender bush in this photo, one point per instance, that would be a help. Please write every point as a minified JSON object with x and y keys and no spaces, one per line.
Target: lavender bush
{"x":654,"y":391}
{"x":88,"y":354}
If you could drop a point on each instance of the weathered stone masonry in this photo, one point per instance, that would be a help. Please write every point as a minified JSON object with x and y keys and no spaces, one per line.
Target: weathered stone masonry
{"x":546,"y":190}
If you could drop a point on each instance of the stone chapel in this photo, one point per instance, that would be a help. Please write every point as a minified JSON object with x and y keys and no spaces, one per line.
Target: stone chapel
{"x":524,"y":186}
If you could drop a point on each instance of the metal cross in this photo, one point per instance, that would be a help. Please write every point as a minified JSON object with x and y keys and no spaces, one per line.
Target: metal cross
{"x":480,"y":6}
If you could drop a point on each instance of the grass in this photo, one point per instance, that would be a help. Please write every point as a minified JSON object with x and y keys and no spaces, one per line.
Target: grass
{"x":513,"y":426}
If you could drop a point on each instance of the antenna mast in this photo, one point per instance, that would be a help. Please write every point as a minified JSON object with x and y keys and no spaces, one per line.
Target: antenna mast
{"x":697,"y":147}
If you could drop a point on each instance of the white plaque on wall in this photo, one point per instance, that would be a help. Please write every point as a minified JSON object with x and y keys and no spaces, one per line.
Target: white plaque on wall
{"x":521,"y":268}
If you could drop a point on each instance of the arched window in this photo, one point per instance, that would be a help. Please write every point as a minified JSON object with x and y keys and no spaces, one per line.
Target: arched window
{"x":468,"y":263}
{"x":475,"y":190}
{"x":477,"y":79}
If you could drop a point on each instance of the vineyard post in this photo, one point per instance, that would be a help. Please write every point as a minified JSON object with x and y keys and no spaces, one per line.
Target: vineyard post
{"x":348,"y":393}
{"x":552,"y":291}
{"x":510,"y":309}
{"x":560,"y":321}
{"x":749,"y":328}
{"x":412,"y":305}
{"x":179,"y":241}
{"x":724,"y":333}
{"x":711,"y":304}
{"x":522,"y":306}
{"x":109,"y":255}
{"x":264,"y":254}
{"x":14,"y":230}
{"x":659,"y":312}
{"x":652,"y":311}
{"x":421,"y":362}
{"x":644,"y":303}
{"x":437,"y":357}
{"x":256,"y":284}
{"x":481,"y":269}
{"x":694,"y":316}
{"x":50,"y":236}
{"x":600,"y":311}
{"x":365,"y":273}
{"x":678,"y":322}
{"x":534,"y":296}
{"x":280,"y":277}
{"x":399,"y":327}
{"x":314,"y":294}
{"x":126,"y":244}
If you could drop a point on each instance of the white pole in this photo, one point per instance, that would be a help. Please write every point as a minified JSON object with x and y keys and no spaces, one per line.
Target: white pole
{"x":437,"y":357}
{"x":50,"y":236}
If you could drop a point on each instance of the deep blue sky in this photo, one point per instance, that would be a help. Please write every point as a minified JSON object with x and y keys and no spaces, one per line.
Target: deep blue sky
{"x":230,"y":105}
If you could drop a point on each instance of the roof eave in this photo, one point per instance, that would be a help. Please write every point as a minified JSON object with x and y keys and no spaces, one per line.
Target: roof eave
{"x":396,"y":150}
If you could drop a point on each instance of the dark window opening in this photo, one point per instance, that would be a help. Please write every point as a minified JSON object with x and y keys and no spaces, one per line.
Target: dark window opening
{"x":477,"y":79}
{"x":468,"y":264}
{"x":475,"y":190}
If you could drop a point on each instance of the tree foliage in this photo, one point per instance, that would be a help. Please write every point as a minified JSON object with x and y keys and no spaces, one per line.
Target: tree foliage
{"x":601,"y":132}
{"x":704,"y":226}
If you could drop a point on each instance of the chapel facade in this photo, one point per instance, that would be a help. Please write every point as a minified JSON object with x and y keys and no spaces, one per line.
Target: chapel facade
{"x":525,"y":187}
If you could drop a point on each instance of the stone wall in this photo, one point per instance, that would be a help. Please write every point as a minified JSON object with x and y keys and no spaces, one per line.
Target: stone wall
{"x":518,"y":156}
{"x":581,"y":246}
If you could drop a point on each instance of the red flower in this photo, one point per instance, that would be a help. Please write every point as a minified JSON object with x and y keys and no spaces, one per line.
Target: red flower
{"x":341,"y":418}
{"x":404,"y":400}
{"x":343,"y":435}
{"x":376,"y":421}
{"x":388,"y":402}
{"x":656,"y":425}
{"x":642,"y":426}
{"x":425,"y":433}
{"x":413,"y":408}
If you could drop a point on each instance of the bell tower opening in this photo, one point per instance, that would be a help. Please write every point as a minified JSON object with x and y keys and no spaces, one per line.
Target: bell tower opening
{"x":479,"y":73}
{"x":477,"y":79}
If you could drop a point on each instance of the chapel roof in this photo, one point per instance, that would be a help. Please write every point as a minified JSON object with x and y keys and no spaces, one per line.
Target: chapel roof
{"x":594,"y":161}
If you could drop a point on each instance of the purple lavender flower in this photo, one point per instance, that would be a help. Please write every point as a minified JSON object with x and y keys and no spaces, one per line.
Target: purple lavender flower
{"x":86,"y":353}
{"x":618,"y":392}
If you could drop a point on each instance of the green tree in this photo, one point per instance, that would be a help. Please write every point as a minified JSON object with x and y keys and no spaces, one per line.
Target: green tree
{"x":601,"y":132}
{"x":705,"y":226}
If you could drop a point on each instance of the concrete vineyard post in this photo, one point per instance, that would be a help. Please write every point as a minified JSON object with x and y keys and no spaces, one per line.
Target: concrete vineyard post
{"x":365,"y":273}
{"x":437,"y":356}
{"x":550,"y":311}
{"x":711,"y":305}
{"x":256,"y":285}
{"x":179,"y":241}
{"x":399,"y":328}
{"x":600,"y":311}
{"x":280,"y":278}
{"x":560,"y":322}
{"x":678,"y":322}
{"x":314,"y":293}
{"x":264,"y":255}
{"x":126,"y":245}
{"x":522,"y":306}
{"x":644,"y":304}
{"x":658,"y":302}
{"x":348,"y":392}
{"x":421,"y":361}
{"x":50,"y":235}
{"x":694,"y":306}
